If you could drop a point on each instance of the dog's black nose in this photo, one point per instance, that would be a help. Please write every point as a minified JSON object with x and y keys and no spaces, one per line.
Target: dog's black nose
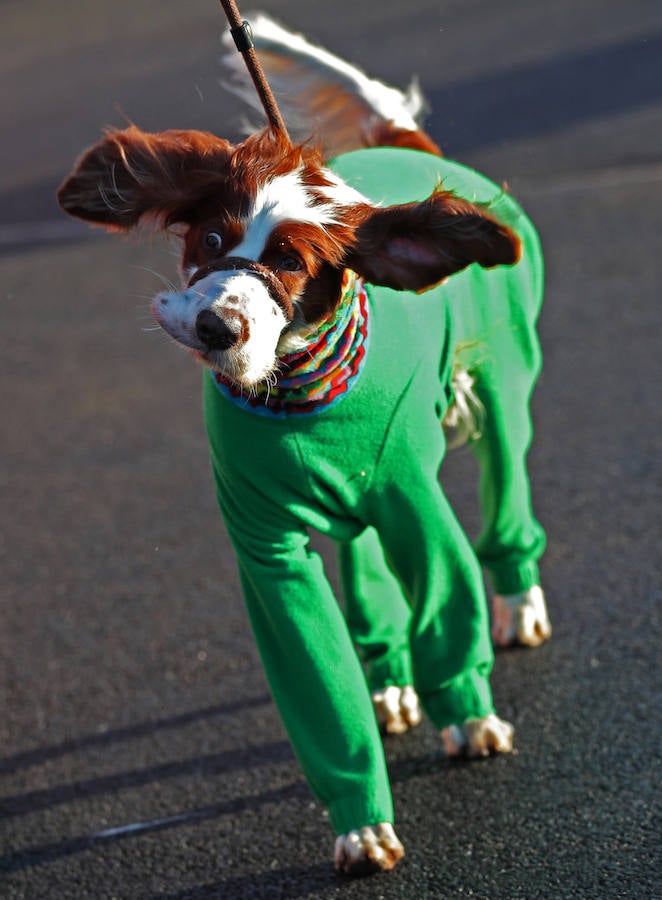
{"x":214,"y":332}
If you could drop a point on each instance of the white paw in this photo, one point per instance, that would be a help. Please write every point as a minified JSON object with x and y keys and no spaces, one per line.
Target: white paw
{"x":397,"y":708}
{"x":520,"y":618}
{"x":369,"y":849}
{"x":478,"y":737}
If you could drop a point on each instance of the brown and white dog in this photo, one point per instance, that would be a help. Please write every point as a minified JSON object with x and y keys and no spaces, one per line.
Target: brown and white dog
{"x":267,"y":232}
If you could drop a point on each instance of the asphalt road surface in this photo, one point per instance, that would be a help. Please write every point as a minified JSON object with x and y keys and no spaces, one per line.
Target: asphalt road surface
{"x":140,"y":754}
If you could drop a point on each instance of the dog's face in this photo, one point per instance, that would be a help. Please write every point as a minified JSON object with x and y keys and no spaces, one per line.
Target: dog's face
{"x":263,"y":266}
{"x":267,"y":231}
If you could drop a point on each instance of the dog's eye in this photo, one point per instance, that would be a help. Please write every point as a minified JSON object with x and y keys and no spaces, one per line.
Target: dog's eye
{"x":213,"y":240}
{"x":289,"y":263}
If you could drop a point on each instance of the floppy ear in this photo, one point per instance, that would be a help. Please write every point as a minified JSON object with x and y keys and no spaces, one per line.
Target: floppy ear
{"x":416,"y":245}
{"x":131,"y":175}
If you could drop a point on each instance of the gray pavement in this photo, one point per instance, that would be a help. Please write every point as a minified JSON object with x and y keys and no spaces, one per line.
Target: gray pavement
{"x":140,"y":754}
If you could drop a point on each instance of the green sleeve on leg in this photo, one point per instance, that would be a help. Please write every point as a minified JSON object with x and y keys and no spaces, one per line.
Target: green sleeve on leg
{"x":376,"y":611}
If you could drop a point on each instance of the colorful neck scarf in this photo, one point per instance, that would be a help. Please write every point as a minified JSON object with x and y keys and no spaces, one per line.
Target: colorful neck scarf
{"x":327,"y":368}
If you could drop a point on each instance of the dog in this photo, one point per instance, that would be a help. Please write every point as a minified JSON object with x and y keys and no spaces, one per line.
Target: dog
{"x":331,"y":288}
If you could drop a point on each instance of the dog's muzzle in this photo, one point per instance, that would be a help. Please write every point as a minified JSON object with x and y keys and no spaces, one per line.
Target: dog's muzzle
{"x":272,"y":283}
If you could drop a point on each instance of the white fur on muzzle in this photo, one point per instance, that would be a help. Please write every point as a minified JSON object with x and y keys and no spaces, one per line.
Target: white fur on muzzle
{"x":242,"y":344}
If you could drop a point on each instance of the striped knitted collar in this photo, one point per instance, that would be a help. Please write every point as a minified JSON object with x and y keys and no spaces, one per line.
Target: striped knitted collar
{"x":316,"y":377}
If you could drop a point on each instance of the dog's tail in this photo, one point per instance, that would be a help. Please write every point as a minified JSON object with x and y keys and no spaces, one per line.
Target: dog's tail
{"x":323,"y":97}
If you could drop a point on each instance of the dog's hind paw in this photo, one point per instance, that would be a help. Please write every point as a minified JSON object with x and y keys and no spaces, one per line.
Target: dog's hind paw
{"x":478,"y":737}
{"x":366,"y":850}
{"x":520,"y":618}
{"x":398,"y":708}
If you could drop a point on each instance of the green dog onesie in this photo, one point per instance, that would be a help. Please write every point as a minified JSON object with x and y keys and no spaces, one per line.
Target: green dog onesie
{"x":355,"y":453}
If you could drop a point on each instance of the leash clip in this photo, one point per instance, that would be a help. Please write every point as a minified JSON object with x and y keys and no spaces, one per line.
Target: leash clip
{"x":243,"y":37}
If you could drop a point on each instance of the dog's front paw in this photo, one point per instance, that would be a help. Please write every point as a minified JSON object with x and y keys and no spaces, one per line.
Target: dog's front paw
{"x":520,"y":618}
{"x":398,"y":708}
{"x":366,"y":850}
{"x":478,"y":737}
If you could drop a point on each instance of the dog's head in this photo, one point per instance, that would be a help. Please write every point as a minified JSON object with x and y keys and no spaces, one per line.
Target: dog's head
{"x":267,"y":231}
